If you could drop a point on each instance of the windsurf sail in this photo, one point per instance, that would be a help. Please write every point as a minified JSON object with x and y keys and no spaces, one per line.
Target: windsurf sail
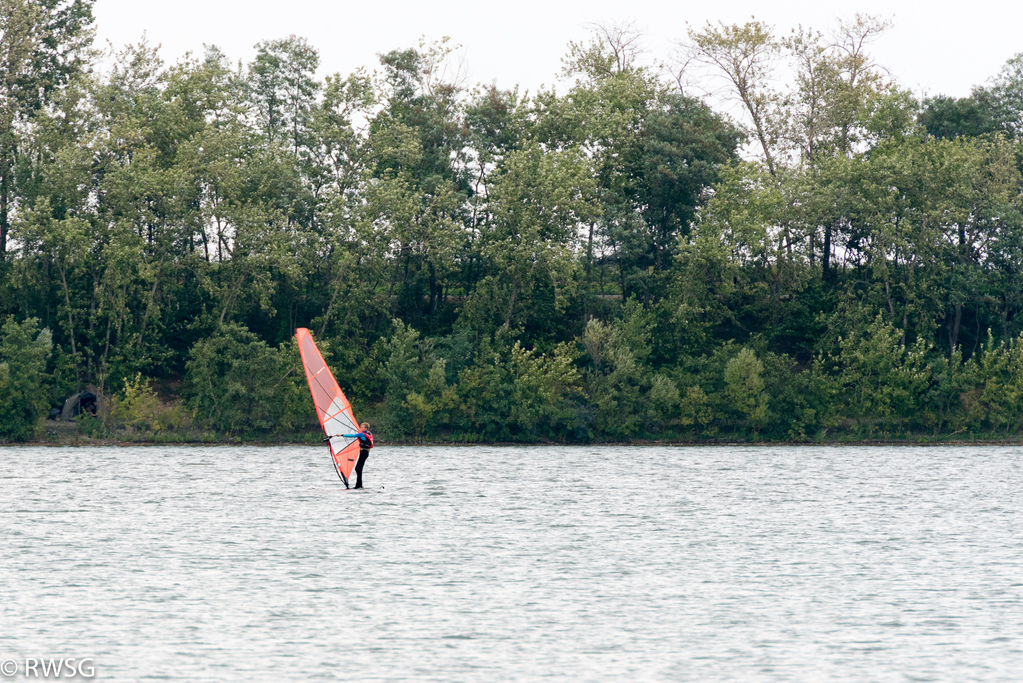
{"x":332,"y":408}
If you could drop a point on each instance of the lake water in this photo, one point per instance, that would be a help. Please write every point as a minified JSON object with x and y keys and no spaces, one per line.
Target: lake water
{"x":488,"y":563}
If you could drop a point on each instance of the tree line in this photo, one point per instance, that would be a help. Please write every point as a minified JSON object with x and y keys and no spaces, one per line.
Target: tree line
{"x":819,"y":255}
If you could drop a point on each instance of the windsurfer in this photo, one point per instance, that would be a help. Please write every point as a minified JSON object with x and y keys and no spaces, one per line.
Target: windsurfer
{"x":365,"y":438}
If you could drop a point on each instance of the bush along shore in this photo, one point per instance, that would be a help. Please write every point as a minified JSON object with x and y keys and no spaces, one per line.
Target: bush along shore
{"x":614,"y":260}
{"x":874,"y":390}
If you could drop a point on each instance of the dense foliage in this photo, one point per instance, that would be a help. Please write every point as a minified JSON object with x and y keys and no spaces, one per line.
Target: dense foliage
{"x":610,"y":260}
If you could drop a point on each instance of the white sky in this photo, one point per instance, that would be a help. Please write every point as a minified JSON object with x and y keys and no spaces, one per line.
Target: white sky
{"x":935,"y":47}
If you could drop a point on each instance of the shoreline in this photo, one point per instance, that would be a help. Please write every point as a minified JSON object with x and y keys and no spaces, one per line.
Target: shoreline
{"x":85,"y":441}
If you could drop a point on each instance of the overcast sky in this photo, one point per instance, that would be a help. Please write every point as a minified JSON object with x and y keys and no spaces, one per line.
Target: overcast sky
{"x":935,"y":47}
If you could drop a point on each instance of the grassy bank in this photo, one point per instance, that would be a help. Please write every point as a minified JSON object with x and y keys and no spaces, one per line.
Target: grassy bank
{"x":90,"y":431}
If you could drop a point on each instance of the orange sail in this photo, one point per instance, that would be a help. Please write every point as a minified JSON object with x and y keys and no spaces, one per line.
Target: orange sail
{"x":332,"y":408}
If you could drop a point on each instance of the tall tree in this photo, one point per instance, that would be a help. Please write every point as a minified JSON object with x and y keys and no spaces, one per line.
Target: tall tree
{"x":838,"y":90}
{"x":1007,"y":92}
{"x":283,"y":89}
{"x":43,"y":44}
{"x":951,"y":117}
{"x":655,"y":153}
{"x":421,"y":170}
{"x":745,"y":56}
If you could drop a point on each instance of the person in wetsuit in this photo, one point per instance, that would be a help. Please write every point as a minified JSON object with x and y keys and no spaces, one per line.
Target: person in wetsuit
{"x":365,"y":443}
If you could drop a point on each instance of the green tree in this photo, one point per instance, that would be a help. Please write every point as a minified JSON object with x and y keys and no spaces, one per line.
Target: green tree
{"x":237,"y":383}
{"x":537,"y":202}
{"x":883,"y":380}
{"x":24,"y":351}
{"x":614,"y":382}
{"x":745,"y":388}
{"x":283,"y":88}
{"x":414,"y":381}
{"x":545,"y":392}
{"x":654,"y":151}
{"x":1007,"y":93}
{"x":745,"y":56}
{"x":952,"y":117}
{"x":485,"y":395}
{"x":43,"y":46}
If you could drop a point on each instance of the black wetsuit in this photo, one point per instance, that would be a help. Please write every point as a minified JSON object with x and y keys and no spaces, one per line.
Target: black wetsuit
{"x":363,"y":454}
{"x":365,"y":443}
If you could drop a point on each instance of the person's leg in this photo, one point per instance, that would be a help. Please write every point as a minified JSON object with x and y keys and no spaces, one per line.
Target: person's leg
{"x":358,"y":468}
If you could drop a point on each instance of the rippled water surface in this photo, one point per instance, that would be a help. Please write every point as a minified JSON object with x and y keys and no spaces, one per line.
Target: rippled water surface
{"x":487,"y":564}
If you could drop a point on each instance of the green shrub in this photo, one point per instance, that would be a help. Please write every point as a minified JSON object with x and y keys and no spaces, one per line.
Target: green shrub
{"x":236,"y":383}
{"x":24,"y":350}
{"x":137,"y":408}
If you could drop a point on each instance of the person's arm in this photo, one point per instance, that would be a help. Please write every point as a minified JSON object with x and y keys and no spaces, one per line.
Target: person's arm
{"x":351,"y":436}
